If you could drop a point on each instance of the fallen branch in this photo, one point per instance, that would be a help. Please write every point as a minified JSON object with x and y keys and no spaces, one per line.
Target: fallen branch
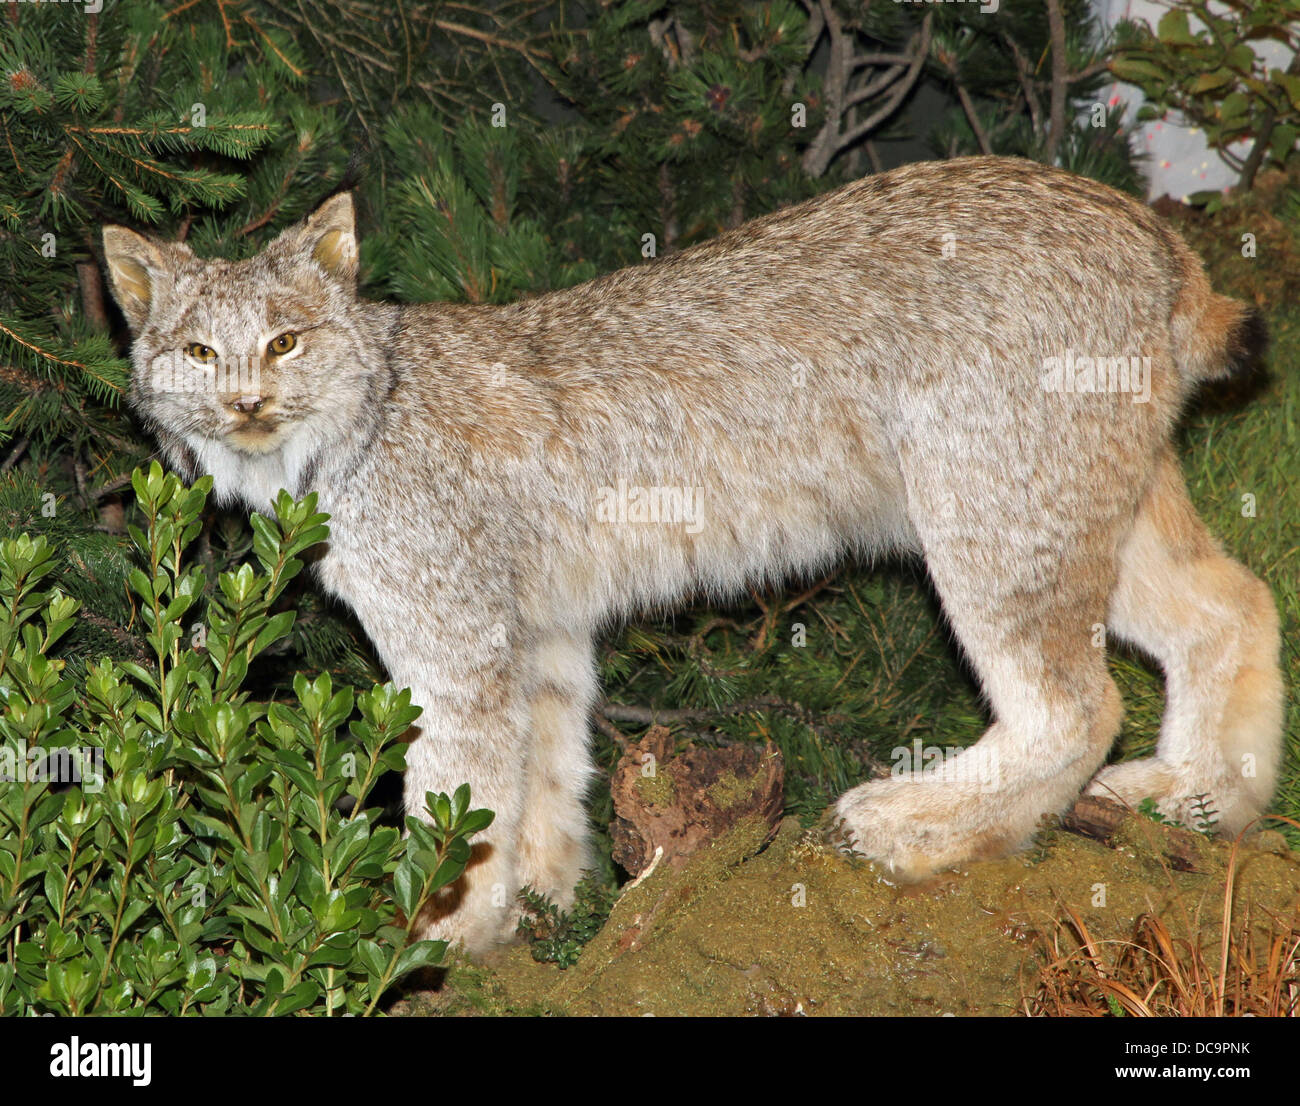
{"x":1101,"y":819}
{"x":662,"y":716}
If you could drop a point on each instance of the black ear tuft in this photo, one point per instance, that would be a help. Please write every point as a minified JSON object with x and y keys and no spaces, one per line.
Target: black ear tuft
{"x":358,"y":167}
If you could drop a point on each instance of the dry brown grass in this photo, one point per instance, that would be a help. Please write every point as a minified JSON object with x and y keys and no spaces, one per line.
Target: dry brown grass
{"x":1157,"y":973}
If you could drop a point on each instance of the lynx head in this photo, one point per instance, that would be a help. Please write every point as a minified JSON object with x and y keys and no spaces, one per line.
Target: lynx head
{"x":249,"y":370}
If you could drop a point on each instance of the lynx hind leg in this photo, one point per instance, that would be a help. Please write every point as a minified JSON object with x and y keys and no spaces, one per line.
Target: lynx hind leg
{"x":1213,"y":626}
{"x":553,"y":845}
{"x":1023,"y":585}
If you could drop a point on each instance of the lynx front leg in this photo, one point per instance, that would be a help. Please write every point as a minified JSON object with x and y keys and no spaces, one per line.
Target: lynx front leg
{"x":553,"y":836}
{"x":1213,"y":627}
{"x":476,"y":737}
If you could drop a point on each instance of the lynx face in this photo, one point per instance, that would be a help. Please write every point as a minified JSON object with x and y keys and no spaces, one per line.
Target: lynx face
{"x":245,"y":369}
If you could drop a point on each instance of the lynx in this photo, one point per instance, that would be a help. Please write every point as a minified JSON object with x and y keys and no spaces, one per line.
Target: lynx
{"x":980,"y":361}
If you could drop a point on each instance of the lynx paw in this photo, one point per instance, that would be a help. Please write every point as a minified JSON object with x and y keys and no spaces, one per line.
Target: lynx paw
{"x":913,"y":828}
{"x":1133,"y":781}
{"x":478,"y":926}
{"x":1184,"y":797}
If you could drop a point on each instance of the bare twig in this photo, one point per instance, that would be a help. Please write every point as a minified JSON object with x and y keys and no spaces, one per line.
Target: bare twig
{"x":1100,"y":818}
{"x":968,"y":106}
{"x":668,"y":208}
{"x":1060,"y":79}
{"x":1027,"y":84}
{"x":921,"y":48}
{"x":651,"y":716}
{"x":900,"y":76}
{"x":1262,"y":140}
{"x":15,"y":454}
{"x":113,"y":486}
{"x":875,"y":86}
{"x":675,"y":41}
{"x":605,"y":726}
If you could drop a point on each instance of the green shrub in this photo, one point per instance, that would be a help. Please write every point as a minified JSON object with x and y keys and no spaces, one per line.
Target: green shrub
{"x":214,"y":855}
{"x":1201,"y":61}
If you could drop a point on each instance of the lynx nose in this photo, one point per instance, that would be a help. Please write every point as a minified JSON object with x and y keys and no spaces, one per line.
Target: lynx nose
{"x":247,"y":405}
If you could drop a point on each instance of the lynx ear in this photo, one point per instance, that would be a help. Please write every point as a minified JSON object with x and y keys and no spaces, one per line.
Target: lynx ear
{"x":331,"y":236}
{"x":136,"y":265}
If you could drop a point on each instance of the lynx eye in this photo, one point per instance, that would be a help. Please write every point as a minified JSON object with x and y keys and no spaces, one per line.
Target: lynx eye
{"x":284,"y":343}
{"x":200,"y":352}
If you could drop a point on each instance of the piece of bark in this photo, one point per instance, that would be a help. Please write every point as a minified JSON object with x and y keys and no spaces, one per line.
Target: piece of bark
{"x":1101,"y":819}
{"x":681,"y":803}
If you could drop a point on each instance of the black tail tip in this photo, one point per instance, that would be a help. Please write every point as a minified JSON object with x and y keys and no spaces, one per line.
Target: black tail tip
{"x":1247,"y":344}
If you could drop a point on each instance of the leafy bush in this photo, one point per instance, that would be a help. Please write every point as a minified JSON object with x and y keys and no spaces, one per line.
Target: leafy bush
{"x":1201,"y":61}
{"x":168,"y":845}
